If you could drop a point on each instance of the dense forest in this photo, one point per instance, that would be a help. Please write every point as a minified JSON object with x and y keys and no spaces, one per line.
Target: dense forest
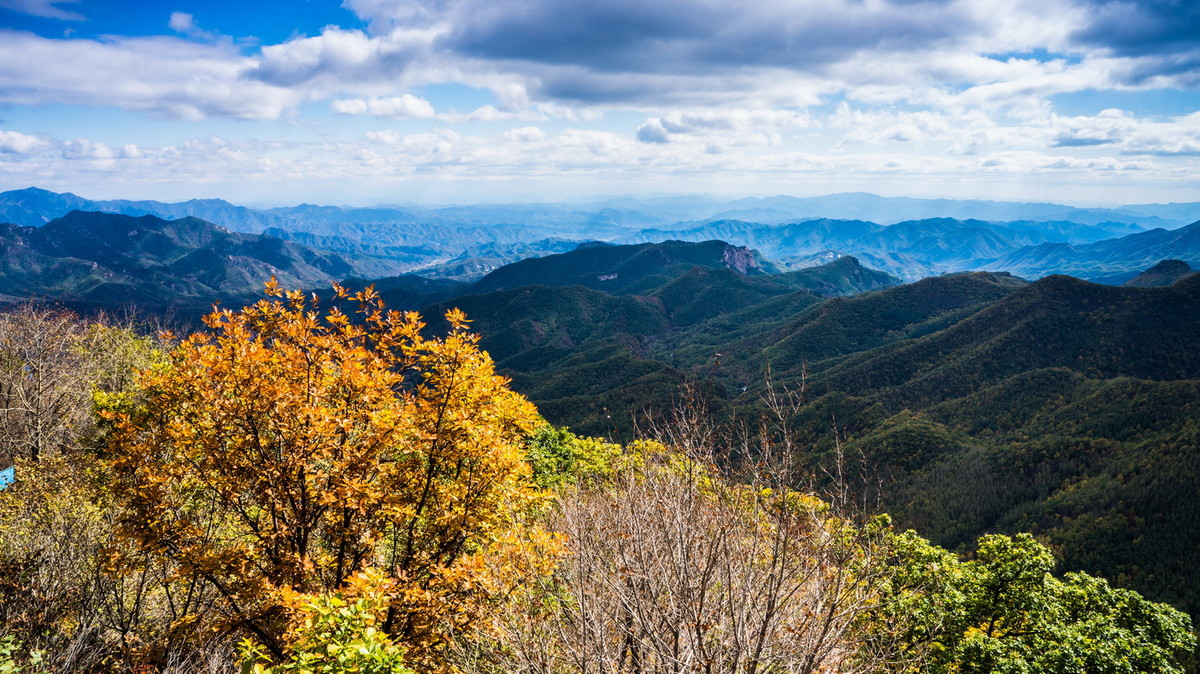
{"x":301,"y":487}
{"x":976,"y":403}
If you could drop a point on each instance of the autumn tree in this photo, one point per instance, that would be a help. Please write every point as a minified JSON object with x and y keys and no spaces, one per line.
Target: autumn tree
{"x":289,"y":448}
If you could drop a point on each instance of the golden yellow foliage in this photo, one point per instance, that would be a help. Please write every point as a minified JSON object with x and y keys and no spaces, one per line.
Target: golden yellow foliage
{"x":288,"y":449}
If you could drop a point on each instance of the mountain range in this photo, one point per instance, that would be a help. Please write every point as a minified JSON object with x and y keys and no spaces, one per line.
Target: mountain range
{"x":908,"y":238}
{"x":104,"y":259}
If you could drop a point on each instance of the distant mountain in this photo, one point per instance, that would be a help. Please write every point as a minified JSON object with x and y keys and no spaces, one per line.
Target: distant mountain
{"x":917,"y":237}
{"x":477,"y":261}
{"x":888,"y":210}
{"x":1074,"y":232}
{"x":34,"y":207}
{"x":1185,"y":212}
{"x":911,"y":249}
{"x":624,"y":269}
{"x":1165,"y":273}
{"x":1104,"y":258}
{"x":107,"y":259}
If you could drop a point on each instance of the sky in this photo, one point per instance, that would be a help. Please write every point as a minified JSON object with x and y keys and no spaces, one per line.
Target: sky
{"x":459,"y":101}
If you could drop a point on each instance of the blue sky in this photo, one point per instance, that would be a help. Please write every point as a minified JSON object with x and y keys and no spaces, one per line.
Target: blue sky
{"x":379,"y":101}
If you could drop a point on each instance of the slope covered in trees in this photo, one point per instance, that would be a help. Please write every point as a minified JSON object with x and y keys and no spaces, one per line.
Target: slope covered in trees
{"x":983,"y":402}
{"x":350,"y":495}
{"x":105,"y":259}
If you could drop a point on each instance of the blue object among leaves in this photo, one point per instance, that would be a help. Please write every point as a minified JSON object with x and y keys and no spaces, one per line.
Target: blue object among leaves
{"x":8,"y":476}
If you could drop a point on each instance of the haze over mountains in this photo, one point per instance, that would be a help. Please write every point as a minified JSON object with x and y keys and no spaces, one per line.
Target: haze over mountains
{"x":102,"y":259}
{"x":908,"y":238}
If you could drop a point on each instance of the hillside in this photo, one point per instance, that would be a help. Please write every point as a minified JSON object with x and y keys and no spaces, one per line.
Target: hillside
{"x":623,"y":269}
{"x":1165,"y":273}
{"x":104,"y":259}
{"x":979,"y":402}
{"x":580,"y":352}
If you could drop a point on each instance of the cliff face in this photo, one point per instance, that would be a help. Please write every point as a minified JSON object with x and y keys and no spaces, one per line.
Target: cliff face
{"x":739,"y":258}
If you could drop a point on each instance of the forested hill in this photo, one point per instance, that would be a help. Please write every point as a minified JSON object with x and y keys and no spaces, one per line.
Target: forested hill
{"x":982,"y":402}
{"x":624,"y":269}
{"x":105,"y":260}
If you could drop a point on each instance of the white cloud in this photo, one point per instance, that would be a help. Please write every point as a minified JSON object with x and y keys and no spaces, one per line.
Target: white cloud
{"x":670,"y":90}
{"x":13,"y":142}
{"x":338,"y":59}
{"x":395,"y":107}
{"x":164,"y":76}
{"x":390,"y":162}
{"x":85,"y":148}
{"x":181,"y":22}
{"x":525,"y":134}
{"x":653,"y":131}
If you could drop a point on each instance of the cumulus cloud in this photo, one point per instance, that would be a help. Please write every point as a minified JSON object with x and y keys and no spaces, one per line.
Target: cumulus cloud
{"x":592,"y":55}
{"x":395,"y":107}
{"x":338,"y":58}
{"x":390,"y":161}
{"x":684,"y":87}
{"x":164,"y":76}
{"x":677,"y":52}
{"x":13,"y":142}
{"x":85,"y":148}
{"x":679,"y":36}
{"x":525,"y":134}
{"x":1141,"y":27}
{"x":182,"y":22}
{"x":653,"y":131}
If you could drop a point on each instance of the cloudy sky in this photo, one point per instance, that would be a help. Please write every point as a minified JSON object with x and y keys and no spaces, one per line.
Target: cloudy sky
{"x":373,"y":101}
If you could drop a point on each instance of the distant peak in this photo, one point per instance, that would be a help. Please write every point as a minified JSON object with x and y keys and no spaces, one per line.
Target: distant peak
{"x":1170,"y":266}
{"x":1165,"y":273}
{"x":592,"y":244}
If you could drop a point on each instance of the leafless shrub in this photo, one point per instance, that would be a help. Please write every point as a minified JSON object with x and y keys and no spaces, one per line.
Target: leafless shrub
{"x":56,"y":593}
{"x":676,"y":565}
{"x":43,"y":369}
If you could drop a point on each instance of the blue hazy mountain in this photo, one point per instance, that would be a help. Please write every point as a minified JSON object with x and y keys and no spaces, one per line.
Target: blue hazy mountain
{"x":908,"y":238}
{"x":1101,"y":259}
{"x":107,"y":259}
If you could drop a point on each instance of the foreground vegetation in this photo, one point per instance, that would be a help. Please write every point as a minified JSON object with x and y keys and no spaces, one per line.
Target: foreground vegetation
{"x":299,"y":490}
